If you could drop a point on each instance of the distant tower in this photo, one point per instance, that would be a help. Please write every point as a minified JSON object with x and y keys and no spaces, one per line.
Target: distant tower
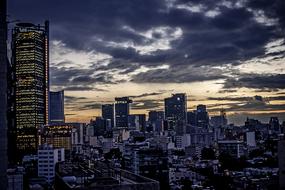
{"x":30,"y":62}
{"x":3,"y":95}
{"x":108,"y":113}
{"x":122,"y":111}
{"x":202,"y":116}
{"x":176,"y":107}
{"x":56,"y":110}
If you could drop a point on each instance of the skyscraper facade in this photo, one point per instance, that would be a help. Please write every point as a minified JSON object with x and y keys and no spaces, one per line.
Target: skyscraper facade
{"x":3,"y":95}
{"x":202,"y":117}
{"x":108,"y":113}
{"x":122,"y":111}
{"x":176,"y":108}
{"x":56,"y":110}
{"x":30,"y":61}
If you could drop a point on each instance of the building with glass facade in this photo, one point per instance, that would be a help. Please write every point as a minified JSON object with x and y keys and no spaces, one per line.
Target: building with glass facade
{"x":122,"y":111}
{"x":30,"y":62}
{"x":56,"y":110}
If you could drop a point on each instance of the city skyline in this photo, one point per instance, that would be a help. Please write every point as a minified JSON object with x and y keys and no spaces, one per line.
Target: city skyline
{"x":224,"y":54}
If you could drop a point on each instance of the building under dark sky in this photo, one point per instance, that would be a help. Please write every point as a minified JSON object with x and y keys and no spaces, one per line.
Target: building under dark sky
{"x":122,"y":111}
{"x":30,"y":60}
{"x":108,"y":113}
{"x":3,"y":95}
{"x":176,"y":108}
{"x":56,"y":110}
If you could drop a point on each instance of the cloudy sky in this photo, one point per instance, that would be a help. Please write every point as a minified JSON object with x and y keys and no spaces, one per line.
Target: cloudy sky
{"x":221,"y":53}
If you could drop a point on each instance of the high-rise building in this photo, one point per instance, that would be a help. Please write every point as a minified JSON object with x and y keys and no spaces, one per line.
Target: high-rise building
{"x":30,"y":61}
{"x":122,"y":111}
{"x":202,"y":117}
{"x":155,"y":120}
{"x":137,"y":122}
{"x":108,"y":113}
{"x":3,"y":95}
{"x":56,"y":109}
{"x":274,"y":124}
{"x":176,"y":109}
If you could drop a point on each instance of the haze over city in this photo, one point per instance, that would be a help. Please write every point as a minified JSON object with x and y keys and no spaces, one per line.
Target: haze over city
{"x":224,"y":54}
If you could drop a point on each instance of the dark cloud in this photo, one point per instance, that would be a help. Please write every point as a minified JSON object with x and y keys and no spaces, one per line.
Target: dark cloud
{"x":146,"y":104}
{"x":146,"y":95}
{"x":228,"y":38}
{"x":257,"y":81}
{"x":90,"y":106}
{"x":179,"y":75}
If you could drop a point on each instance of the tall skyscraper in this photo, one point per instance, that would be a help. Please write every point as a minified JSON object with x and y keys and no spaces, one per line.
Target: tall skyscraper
{"x":176,"y":108}
{"x":122,"y":111}
{"x":108,"y":113}
{"x":30,"y":61}
{"x":56,"y":109}
{"x":202,"y":117}
{"x":3,"y":95}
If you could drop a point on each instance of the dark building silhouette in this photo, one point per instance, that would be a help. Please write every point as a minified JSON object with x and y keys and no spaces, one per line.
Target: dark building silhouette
{"x":176,"y":109}
{"x":153,"y":116}
{"x":191,"y":118}
{"x":156,"y":120}
{"x":202,"y":117}
{"x":108,"y":113}
{"x":122,"y":111}
{"x":3,"y":95}
{"x":274,"y":124}
{"x":56,"y":110}
{"x":220,"y":120}
{"x":30,"y":65}
{"x":137,"y":121}
{"x":99,"y":126}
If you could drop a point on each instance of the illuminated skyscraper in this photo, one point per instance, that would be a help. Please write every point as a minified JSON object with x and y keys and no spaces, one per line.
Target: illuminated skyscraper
{"x":122,"y":111}
{"x":30,"y":61}
{"x":3,"y":95}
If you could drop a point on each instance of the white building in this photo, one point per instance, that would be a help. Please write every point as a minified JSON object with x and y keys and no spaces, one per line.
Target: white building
{"x":250,"y":139}
{"x":47,"y":158}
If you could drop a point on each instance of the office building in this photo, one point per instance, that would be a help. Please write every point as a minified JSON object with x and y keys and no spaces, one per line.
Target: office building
{"x":137,"y":122}
{"x":250,"y":139}
{"x":202,"y":117}
{"x":274,"y":125}
{"x":56,"y":111}
{"x":108,"y":113}
{"x":99,"y":126}
{"x":148,"y":162}
{"x":156,"y":120}
{"x":47,"y":158}
{"x":191,"y":118}
{"x":59,"y":136}
{"x":30,"y":60}
{"x":176,"y":108}
{"x":122,"y":111}
{"x":3,"y":95}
